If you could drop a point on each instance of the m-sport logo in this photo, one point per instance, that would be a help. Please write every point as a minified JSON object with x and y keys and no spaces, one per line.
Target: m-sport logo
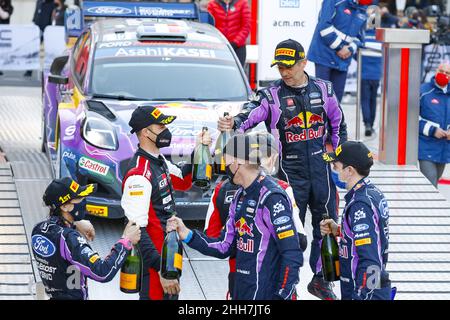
{"x":109,"y":10}
{"x":289,"y":3}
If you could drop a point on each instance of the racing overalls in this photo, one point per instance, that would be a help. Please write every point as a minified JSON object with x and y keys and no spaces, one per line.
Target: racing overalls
{"x":364,"y":242}
{"x":261,"y":232}
{"x":148,"y":190}
{"x":65,"y":260}
{"x":303,"y":119}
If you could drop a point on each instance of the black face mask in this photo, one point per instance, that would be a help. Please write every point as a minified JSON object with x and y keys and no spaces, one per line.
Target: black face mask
{"x":79,"y":211}
{"x":163,"y":139}
{"x":230,"y":174}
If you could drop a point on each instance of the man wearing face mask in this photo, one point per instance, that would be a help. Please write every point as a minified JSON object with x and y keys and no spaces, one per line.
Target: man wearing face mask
{"x":364,"y":230}
{"x":224,"y":192}
{"x":148,"y":195}
{"x":259,"y":228}
{"x":434,"y":125}
{"x":63,"y":257}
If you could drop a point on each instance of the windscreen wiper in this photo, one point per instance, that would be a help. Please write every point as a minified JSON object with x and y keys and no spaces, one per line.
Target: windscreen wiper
{"x":115,"y":97}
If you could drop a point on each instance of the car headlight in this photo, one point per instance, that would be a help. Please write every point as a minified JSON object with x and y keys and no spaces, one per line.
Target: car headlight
{"x":100,"y":133}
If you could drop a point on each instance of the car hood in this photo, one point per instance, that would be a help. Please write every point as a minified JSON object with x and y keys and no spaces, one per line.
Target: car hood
{"x":191,"y":118}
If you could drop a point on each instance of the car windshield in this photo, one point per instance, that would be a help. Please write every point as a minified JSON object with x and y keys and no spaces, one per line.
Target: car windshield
{"x":168,"y":73}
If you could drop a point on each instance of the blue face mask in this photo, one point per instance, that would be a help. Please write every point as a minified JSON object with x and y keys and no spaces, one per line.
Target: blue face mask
{"x":79,"y":211}
{"x":340,"y":184}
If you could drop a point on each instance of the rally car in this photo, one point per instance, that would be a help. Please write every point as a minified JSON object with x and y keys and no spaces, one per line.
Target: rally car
{"x":185,"y":68}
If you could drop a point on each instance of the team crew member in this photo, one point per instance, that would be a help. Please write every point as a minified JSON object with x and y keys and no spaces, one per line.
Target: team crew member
{"x":339,"y":33}
{"x":303,"y":113}
{"x":364,"y":231}
{"x":259,"y":229}
{"x":225,"y":190}
{"x":148,"y":195}
{"x":62,"y":252}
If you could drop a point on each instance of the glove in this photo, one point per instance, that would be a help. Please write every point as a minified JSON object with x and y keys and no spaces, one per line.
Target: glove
{"x":303,"y":240}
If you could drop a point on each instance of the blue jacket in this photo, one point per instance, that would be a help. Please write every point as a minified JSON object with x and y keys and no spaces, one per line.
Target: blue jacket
{"x":364,"y":244}
{"x":341,"y":22}
{"x":434,"y":113}
{"x":371,"y":61}
{"x":260,"y":230}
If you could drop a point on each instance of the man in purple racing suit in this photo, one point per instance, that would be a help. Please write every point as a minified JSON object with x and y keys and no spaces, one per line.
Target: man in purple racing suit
{"x":304,"y":114}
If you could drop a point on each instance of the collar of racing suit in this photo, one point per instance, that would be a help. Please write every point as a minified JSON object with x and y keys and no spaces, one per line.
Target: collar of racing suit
{"x":361,"y":183}
{"x":159,"y":159}
{"x":300,"y":89}
{"x":255,"y":184}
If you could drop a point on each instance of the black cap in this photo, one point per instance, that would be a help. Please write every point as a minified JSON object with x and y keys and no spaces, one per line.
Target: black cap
{"x":144,"y":116}
{"x":60,"y":191}
{"x":288,"y":52}
{"x":351,"y":153}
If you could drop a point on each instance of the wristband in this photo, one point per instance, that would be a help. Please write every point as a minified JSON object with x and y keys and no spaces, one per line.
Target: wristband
{"x":126,"y":243}
{"x":189,"y":237}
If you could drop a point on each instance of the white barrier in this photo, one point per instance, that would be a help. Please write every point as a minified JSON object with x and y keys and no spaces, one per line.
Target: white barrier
{"x":279,"y":20}
{"x":54,"y":44}
{"x":19,"y":47}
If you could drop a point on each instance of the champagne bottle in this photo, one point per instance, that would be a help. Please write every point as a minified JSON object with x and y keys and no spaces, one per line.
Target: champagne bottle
{"x":330,"y":256}
{"x":131,"y":272}
{"x":202,"y":166}
{"x":219,"y":160}
{"x":172,"y":256}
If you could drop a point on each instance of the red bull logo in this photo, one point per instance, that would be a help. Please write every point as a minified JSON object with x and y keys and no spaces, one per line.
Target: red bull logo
{"x":242,"y":227}
{"x":299,"y":121}
{"x":245,"y":246}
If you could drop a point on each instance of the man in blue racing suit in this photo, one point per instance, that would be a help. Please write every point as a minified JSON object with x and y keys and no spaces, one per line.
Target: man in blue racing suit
{"x":64,"y":258}
{"x":259,"y":229}
{"x":364,"y":230}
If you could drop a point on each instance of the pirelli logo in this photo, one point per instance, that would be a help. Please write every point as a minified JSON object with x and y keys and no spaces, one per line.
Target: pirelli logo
{"x":286,"y":234}
{"x":94,"y":258}
{"x":136,"y":193}
{"x":338,"y":150}
{"x":74,"y":186}
{"x":285,"y":52}
{"x":363,"y":242}
{"x":156,"y":113}
{"x":99,"y":211}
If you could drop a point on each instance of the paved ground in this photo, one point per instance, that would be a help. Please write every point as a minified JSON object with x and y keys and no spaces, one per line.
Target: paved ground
{"x":203,"y":277}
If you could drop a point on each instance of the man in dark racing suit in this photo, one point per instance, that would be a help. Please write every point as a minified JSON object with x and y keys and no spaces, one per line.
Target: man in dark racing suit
{"x":63,"y":257}
{"x":148,"y":195}
{"x":304,"y":114}
{"x":224,"y":192}
{"x":260,"y":229}
{"x":364,"y":230}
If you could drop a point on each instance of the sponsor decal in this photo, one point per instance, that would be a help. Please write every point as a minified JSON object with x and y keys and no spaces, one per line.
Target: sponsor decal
{"x":315,"y":101}
{"x":363,"y":242}
{"x":435,"y":101}
{"x":243,"y":228}
{"x":283,"y":228}
{"x":250,"y":210}
{"x":87,"y":252}
{"x":110,"y":10}
{"x":281,"y":220}
{"x":285,"y":52}
{"x":252,"y":203}
{"x":278,"y":207}
{"x":384,"y":209}
{"x":343,"y":252}
{"x":136,"y":193}
{"x":99,"y":211}
{"x":360,"y":214}
{"x":93,"y":166}
{"x":360,"y":227}
{"x":168,"y":120}
{"x":94,"y":258}
{"x":68,"y":155}
{"x":299,"y":120}
{"x":74,"y":186}
{"x":286,"y":234}
{"x":348,"y":11}
{"x":245,"y":246}
{"x":81,"y":240}
{"x":167,"y":199}
{"x":229,"y":196}
{"x":166,"y":52}
{"x":88,"y":191}
{"x":338,"y":150}
{"x":64,"y":199}
{"x":69,"y":133}
{"x":163,"y":181}
{"x":156,"y":113}
{"x":289,"y":3}
{"x":43,"y":246}
{"x":243,"y":271}
{"x":314,"y":95}
{"x":304,"y":135}
{"x":362,"y":235}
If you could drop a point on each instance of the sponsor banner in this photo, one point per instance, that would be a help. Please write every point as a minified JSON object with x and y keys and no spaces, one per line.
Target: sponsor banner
{"x":93,"y":166}
{"x":99,"y":211}
{"x":54,"y":44}
{"x":19,"y":47}
{"x":433,"y":56}
{"x":280,"y":20}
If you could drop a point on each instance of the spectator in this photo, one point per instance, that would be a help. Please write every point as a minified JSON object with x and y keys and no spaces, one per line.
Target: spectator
{"x":233,"y":19}
{"x":370,"y":81}
{"x":388,"y":20}
{"x":338,"y":34}
{"x":43,"y":14}
{"x":58,"y":13}
{"x":434,"y":125}
{"x":6,"y":9}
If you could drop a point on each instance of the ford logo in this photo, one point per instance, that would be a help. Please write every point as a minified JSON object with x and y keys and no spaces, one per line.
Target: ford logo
{"x":42,"y":246}
{"x":109,"y":10}
{"x":360,"y":227}
{"x":281,"y":220}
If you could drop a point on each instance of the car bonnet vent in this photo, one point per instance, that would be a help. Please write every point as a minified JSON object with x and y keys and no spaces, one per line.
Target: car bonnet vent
{"x":100,"y":108}
{"x":149,"y":33}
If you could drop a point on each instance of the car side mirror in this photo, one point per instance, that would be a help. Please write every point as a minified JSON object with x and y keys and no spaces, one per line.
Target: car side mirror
{"x":58,"y":64}
{"x":58,"y":79}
